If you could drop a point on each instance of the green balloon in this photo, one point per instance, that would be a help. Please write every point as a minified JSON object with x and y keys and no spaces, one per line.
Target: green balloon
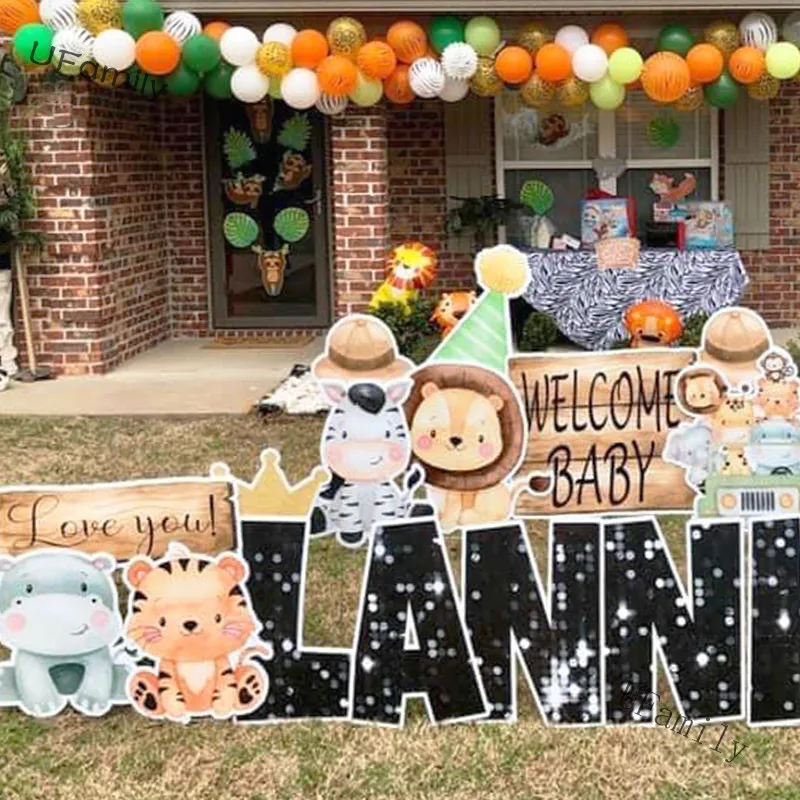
{"x":33,"y":43}
{"x":675,"y":39}
{"x":606,"y":94}
{"x":201,"y":53}
{"x":444,"y":31}
{"x":141,"y":16}
{"x":182,"y":82}
{"x":217,"y":83}
{"x":483,"y":33}
{"x":723,"y":92}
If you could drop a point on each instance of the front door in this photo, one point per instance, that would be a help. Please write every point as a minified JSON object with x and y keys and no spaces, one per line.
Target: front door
{"x":267,"y":215}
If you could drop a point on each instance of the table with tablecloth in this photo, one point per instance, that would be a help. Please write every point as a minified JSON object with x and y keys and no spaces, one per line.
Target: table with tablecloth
{"x":588,"y":304}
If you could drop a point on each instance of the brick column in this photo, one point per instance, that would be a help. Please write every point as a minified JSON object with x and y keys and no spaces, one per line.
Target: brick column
{"x":359,"y":205}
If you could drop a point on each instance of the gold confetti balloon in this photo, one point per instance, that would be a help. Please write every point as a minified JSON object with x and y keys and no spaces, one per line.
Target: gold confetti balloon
{"x":572,"y":93}
{"x":691,"y":100}
{"x":765,"y":88}
{"x":274,"y":59}
{"x":486,"y":82}
{"x":533,"y":35}
{"x":537,"y":92}
{"x":346,"y":36}
{"x":724,"y":35}
{"x":100,"y":15}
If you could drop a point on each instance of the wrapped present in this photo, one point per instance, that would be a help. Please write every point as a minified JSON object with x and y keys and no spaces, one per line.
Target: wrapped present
{"x":607,"y":218}
{"x":708,"y":225}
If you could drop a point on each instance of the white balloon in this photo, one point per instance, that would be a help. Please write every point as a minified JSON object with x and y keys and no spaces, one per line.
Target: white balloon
{"x":280,"y":32}
{"x":331,"y":105}
{"x":238,"y":46}
{"x":249,"y":84}
{"x":589,"y":63}
{"x":300,"y":88}
{"x":571,"y":37}
{"x":791,"y":28}
{"x":426,"y":78}
{"x":59,"y":14}
{"x":454,"y":90}
{"x":758,"y":30}
{"x":72,"y":47}
{"x":114,"y":49}
{"x":182,"y":25}
{"x":459,"y":61}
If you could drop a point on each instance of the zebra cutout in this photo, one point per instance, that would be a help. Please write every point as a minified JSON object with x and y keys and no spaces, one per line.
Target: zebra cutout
{"x":365,"y":445}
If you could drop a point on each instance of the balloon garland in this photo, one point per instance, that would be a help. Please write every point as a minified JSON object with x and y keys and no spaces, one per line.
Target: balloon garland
{"x":448,"y":59}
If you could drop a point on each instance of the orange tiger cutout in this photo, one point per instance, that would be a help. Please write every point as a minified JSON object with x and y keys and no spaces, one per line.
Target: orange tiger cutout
{"x":451,"y":307}
{"x":191,"y":614}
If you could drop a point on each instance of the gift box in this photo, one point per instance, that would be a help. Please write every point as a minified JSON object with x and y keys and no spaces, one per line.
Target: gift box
{"x":669,"y":212}
{"x":607,"y":218}
{"x":708,"y":225}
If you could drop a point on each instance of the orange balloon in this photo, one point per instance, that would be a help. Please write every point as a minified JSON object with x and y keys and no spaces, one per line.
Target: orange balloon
{"x":408,"y":40}
{"x":157,"y":53}
{"x":16,"y":13}
{"x":553,"y":62}
{"x":747,"y":64}
{"x":610,"y":36}
{"x":513,"y":64}
{"x":397,"y":87}
{"x":705,"y":63}
{"x":376,"y":60}
{"x":337,"y":75}
{"x":216,"y":29}
{"x":309,"y":47}
{"x":665,"y":77}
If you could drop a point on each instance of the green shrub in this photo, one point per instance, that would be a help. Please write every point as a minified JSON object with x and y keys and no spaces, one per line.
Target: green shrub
{"x":416,"y":335}
{"x":793,"y":348}
{"x":538,"y":333}
{"x":693,"y":330}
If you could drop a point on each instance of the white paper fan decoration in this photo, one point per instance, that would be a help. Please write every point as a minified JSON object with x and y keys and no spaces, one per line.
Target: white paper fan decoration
{"x":426,"y":78}
{"x":459,"y":61}
{"x":331,"y":105}
{"x":59,"y":14}
{"x":182,"y":25}
{"x":72,"y":47}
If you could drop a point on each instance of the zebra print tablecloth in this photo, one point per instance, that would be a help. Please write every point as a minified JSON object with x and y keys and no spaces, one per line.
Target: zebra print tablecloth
{"x":588,"y":304}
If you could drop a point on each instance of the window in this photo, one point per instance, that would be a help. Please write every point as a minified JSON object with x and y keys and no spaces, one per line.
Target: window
{"x":559,"y":147}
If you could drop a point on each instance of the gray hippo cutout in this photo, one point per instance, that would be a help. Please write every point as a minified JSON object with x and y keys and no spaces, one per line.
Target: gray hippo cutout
{"x":59,"y":617}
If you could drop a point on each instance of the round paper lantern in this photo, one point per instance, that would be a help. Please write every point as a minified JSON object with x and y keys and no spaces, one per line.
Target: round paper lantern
{"x":747,"y":64}
{"x":722,"y":93}
{"x":675,"y":39}
{"x":32,"y":41}
{"x":486,"y":82}
{"x":56,"y":14}
{"x":280,"y":32}
{"x":337,"y":75}
{"x":665,"y":77}
{"x":346,"y":36}
{"x":765,"y":88}
{"x":217,"y":83}
{"x":444,"y":31}
{"x":625,"y":65}
{"x":114,"y":49}
{"x":537,"y":92}
{"x":99,"y":15}
{"x":300,"y":88}
{"x":201,"y":53}
{"x":610,"y":36}
{"x":553,"y":63}
{"x":590,"y":63}
{"x":459,"y":61}
{"x":141,"y":16}
{"x":72,"y":48}
{"x":331,"y":105}
{"x":216,"y":30}
{"x":724,"y":35}
{"x":308,"y":48}
{"x":16,"y":13}
{"x":454,"y":90}
{"x":790,"y":29}
{"x":758,"y":30}
{"x":783,"y":60}
{"x":376,"y":60}
{"x":274,"y":59}
{"x":182,"y":82}
{"x":572,"y":93}
{"x":408,"y":40}
{"x":181,"y":26}
{"x":426,"y":78}
{"x":606,"y":94}
{"x":396,"y":87}
{"x":691,"y":100}
{"x":367,"y":92}
{"x":705,"y":63}
{"x":249,"y":84}
{"x":483,"y":35}
{"x":571,"y":37}
{"x":238,"y":46}
{"x":514,"y":64}
{"x":533,"y":35}
{"x":157,"y":53}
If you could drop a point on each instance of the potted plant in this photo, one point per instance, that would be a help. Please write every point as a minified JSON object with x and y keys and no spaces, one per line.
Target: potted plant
{"x":481,"y":216}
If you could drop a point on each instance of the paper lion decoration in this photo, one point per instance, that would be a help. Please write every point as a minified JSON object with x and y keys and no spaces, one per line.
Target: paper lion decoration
{"x":410,"y":267}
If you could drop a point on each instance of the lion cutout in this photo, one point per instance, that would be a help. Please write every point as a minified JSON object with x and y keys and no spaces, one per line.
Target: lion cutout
{"x":468,"y":432}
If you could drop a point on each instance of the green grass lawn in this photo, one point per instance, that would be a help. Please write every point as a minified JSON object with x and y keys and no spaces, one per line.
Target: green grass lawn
{"x":125,"y":756}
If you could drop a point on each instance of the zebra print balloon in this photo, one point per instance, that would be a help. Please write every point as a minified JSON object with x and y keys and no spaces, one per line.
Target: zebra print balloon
{"x":759,"y":30}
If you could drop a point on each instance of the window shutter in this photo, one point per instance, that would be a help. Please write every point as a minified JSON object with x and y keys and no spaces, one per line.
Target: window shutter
{"x":747,"y":172}
{"x":469,"y":156}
